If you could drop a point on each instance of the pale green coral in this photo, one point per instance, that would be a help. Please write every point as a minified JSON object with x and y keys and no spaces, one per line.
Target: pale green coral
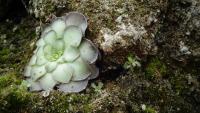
{"x":62,"y":58}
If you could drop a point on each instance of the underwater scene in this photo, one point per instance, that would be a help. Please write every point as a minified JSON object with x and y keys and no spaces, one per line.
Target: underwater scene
{"x":99,"y":56}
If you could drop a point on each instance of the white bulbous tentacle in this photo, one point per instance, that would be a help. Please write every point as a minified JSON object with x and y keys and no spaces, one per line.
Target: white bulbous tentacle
{"x":51,"y":66}
{"x":27,"y":71}
{"x":33,"y":60}
{"x":81,"y":69}
{"x":63,"y":73}
{"x":40,"y":60}
{"x":28,"y":68}
{"x":88,"y":51}
{"x":47,"y":82}
{"x":94,"y":71}
{"x":72,"y":36}
{"x":76,"y":19}
{"x":50,"y":37}
{"x":46,"y":29}
{"x":59,"y":44}
{"x":41,"y":41}
{"x":37,"y":72}
{"x":70,"y":54}
{"x":34,"y":86}
{"x":58,"y":25}
{"x":73,"y":86}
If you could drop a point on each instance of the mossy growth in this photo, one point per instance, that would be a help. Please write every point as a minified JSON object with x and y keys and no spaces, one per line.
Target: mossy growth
{"x":8,"y":79}
{"x":12,"y":96}
{"x":149,"y":109}
{"x":60,"y":103}
{"x":183,"y":82}
{"x":4,"y":55}
{"x":155,"y":68}
{"x":15,"y":42}
{"x":15,"y":98}
{"x":179,"y":84}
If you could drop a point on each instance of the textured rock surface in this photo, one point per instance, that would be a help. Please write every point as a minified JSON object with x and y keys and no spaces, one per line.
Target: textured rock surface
{"x":164,"y":34}
{"x":116,"y":24}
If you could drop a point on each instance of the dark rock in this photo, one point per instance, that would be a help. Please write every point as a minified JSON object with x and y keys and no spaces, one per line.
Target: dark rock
{"x":12,"y":9}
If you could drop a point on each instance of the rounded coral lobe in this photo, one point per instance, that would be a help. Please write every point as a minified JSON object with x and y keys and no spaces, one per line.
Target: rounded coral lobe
{"x":76,"y":19}
{"x":63,"y":59}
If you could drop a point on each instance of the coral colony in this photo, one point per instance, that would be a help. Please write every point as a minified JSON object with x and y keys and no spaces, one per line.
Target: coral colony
{"x":63,"y":58}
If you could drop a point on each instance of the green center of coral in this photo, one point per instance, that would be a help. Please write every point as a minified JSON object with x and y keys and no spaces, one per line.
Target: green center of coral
{"x":55,"y":55}
{"x":55,"y":51}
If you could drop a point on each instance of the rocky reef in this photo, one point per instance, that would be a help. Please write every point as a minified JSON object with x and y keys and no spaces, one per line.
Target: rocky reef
{"x":150,"y":56}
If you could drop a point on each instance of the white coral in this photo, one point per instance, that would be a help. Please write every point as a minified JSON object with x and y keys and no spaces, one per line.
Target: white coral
{"x":62,"y":58}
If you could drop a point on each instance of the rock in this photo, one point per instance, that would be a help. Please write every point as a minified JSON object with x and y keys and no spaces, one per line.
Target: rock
{"x":4,"y":7}
{"x":12,"y":9}
{"x":113,"y":25}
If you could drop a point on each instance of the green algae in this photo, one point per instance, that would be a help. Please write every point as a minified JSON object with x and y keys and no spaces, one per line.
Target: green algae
{"x":8,"y":79}
{"x":155,"y":68}
{"x":15,"y":97}
{"x":149,"y":109}
{"x":4,"y":55}
{"x":62,"y":103}
{"x":11,"y":96}
{"x":16,"y":100}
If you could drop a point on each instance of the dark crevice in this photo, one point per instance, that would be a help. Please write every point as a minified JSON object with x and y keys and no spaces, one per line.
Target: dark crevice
{"x":13,"y":10}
